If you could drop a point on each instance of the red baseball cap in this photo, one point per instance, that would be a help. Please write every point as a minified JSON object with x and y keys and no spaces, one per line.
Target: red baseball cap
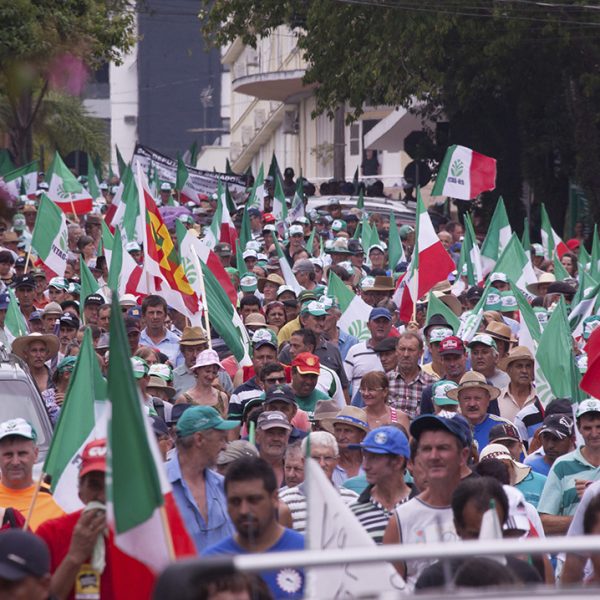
{"x":451,"y":345}
{"x":573,"y":244}
{"x":307,"y":364}
{"x":268,"y":218}
{"x":93,"y":457}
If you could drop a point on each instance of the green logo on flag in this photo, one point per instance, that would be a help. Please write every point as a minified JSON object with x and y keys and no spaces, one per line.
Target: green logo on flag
{"x":62,"y":241}
{"x":457,"y":168}
{"x":359,"y":330}
{"x":190,"y":271}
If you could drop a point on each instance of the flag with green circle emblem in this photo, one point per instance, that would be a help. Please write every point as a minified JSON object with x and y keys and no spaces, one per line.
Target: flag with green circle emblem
{"x":50,"y":236}
{"x":355,"y":311}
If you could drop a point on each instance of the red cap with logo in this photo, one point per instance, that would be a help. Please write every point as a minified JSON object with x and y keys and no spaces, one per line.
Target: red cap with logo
{"x":93,"y":457}
{"x":307,"y":364}
{"x":451,"y":345}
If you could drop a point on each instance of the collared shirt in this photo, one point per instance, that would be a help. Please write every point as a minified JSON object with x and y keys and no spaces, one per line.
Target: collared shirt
{"x":406,"y":395}
{"x":169,"y":345}
{"x":219,"y":525}
{"x":509,"y":407}
{"x":345,"y":342}
{"x":241,"y":396}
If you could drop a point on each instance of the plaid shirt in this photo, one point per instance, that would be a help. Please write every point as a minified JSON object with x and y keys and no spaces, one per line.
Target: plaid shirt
{"x":406,"y":395}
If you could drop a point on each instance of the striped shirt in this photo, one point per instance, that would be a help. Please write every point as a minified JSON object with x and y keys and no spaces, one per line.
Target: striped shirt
{"x":295,"y":498}
{"x":358,"y":362}
{"x":559,"y":496}
{"x":373,"y":516}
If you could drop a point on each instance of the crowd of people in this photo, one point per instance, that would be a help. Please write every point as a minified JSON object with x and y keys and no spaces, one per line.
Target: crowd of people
{"x":417,"y":429}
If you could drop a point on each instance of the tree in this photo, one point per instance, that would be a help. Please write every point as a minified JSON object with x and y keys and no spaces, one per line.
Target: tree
{"x":43,"y":47}
{"x":515,"y":80}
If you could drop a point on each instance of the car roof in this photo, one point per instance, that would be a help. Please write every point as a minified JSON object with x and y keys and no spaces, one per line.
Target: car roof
{"x":384,"y":206}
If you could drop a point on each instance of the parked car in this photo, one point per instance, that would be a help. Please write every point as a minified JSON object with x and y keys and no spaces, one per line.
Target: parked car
{"x":19,"y":397}
{"x":405,"y":214}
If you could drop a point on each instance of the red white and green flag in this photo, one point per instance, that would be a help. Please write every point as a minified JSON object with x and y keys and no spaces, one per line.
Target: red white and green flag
{"x":187,"y":193}
{"x":430,"y":263}
{"x":516,"y":264}
{"x":23,"y":181}
{"x":551,"y":241}
{"x":82,"y":419}
{"x":148,"y":530}
{"x":497,"y":238}
{"x":280,"y":211}
{"x":124,"y":274}
{"x":50,"y":237}
{"x":222,"y":228}
{"x":464,"y":174}
{"x":66,"y":191}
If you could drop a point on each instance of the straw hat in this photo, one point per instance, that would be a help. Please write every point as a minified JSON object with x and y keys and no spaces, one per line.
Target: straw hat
{"x":500,"y":331}
{"x":193,"y":336}
{"x":517,"y":353}
{"x":161,"y":384}
{"x":471,"y":380}
{"x":20,"y":345}
{"x":500,"y":452}
{"x":544,"y":279}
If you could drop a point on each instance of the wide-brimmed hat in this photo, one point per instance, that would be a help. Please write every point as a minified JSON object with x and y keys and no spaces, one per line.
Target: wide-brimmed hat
{"x":272,"y":278}
{"x":543,"y":279}
{"x":517,"y":353}
{"x":207,"y":358}
{"x":352,"y":415}
{"x":470,"y":380}
{"x":161,"y":384}
{"x":383,"y":283}
{"x":500,"y":452}
{"x":193,"y":336}
{"x":325,"y":412}
{"x":450,"y":300}
{"x":19,"y":346}
{"x":500,"y":331}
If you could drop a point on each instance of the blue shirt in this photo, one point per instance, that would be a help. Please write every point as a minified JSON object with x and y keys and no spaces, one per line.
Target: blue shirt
{"x":536,"y":461}
{"x":284,"y":583}
{"x":169,"y":345}
{"x":219,"y":524}
{"x":345,"y":342}
{"x":481,"y":432}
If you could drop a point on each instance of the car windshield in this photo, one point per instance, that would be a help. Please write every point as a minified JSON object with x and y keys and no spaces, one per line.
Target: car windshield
{"x":16,"y":401}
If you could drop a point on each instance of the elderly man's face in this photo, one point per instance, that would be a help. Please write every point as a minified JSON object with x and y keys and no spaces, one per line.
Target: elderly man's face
{"x":520,"y":372}
{"x":37,"y":354}
{"x":474,"y":404}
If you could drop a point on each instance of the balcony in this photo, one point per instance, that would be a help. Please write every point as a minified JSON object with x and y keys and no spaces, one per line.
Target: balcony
{"x":281,"y":86}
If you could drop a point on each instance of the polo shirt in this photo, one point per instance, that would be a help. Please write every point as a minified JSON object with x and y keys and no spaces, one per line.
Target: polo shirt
{"x":536,"y":461}
{"x":358,"y":362}
{"x":285,"y":333}
{"x":531,"y":487}
{"x":241,"y":396}
{"x":169,"y":345}
{"x":509,"y":406}
{"x":481,"y":431}
{"x":219,"y":524}
{"x":559,"y":496}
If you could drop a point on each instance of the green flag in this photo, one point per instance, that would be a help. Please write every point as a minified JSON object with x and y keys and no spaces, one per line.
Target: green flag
{"x":194,"y":153}
{"x":497,"y":238}
{"x":6,"y":163}
{"x":89,"y":285}
{"x":395,"y":249}
{"x":245,"y":231}
{"x":515,"y":264}
{"x":274,"y":171}
{"x":525,"y":241}
{"x":583,"y":259}
{"x":116,"y":261}
{"x":559,"y":271}
{"x":228,"y":169}
{"x":361,"y":201}
{"x":120,"y":163}
{"x":530,"y":331}
{"x":93,"y":180}
{"x":239,"y":259}
{"x":14,"y":322}
{"x":595,"y":258}
{"x":436,"y":307}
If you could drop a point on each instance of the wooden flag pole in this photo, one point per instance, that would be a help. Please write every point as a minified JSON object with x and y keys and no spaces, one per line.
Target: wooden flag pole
{"x":33,"y":500}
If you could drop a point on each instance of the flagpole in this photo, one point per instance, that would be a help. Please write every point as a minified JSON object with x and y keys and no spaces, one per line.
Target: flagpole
{"x":167,"y":530}
{"x":33,"y":500}
{"x":27,"y":259}
{"x":204,"y":299}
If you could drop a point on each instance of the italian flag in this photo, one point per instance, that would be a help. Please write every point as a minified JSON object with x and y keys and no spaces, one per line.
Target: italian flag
{"x":82,"y":420}
{"x":355,"y":311}
{"x":186,"y":192}
{"x":550,"y":239}
{"x":141,"y":511}
{"x":222,"y":228}
{"x":23,"y":181}
{"x":66,"y":191}
{"x":124,"y":274}
{"x":430,"y":262}
{"x":464,"y":174}
{"x":50,"y":237}
{"x":497,"y":238}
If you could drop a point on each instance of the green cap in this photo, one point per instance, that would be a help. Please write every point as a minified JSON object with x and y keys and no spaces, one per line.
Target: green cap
{"x":493,"y":301}
{"x":66,"y":364}
{"x":314,"y":308}
{"x":508,"y":302}
{"x":201,"y":418}
{"x":140,"y":367}
{"x":249,"y":283}
{"x":483,"y":338}
{"x":440,"y":392}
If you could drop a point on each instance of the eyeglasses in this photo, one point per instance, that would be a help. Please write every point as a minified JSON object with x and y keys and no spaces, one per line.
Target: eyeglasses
{"x":327,"y":459}
{"x":275,"y":379}
{"x":364,"y":391}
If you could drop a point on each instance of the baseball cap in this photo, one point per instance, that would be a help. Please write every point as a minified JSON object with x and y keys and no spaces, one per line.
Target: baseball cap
{"x":303,"y":266}
{"x":36,"y":315}
{"x":249,"y":283}
{"x":508,"y":302}
{"x":436,"y":423}
{"x":18,"y":426}
{"x":440,"y":392}
{"x":69,"y":320}
{"x":587,"y":406}
{"x":201,"y":418}
{"x":558,"y":425}
{"x":159,"y":427}
{"x":497,"y":276}
{"x":380,"y":312}
{"x":537,"y":249}
{"x":253,"y":212}
{"x":22,"y":554}
{"x":165,"y":187}
{"x":503,"y":431}
{"x":387,"y":344}
{"x":249,"y":253}
{"x":307,"y":364}
{"x":93,"y":457}
{"x":271,"y":419}
{"x":264,"y":337}
{"x":314,"y":308}
{"x":451,"y":345}
{"x":236,"y":449}
{"x":385,"y":440}
{"x":53,"y":308}
{"x":67,"y":364}
{"x":285,"y":288}
{"x":405,"y":231}
{"x":281,"y":393}
{"x":160,"y":370}
{"x":437,"y":334}
{"x":60,"y":283}
{"x":493,"y":301}
{"x":24,"y":281}
{"x":94,"y":299}
{"x":133,"y":247}
{"x":296,"y":230}
{"x":139,"y":366}
{"x":223,"y":249}
{"x":483,"y":338}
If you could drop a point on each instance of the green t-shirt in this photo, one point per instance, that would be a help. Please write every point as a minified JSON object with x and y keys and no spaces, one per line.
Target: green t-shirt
{"x":308,"y":403}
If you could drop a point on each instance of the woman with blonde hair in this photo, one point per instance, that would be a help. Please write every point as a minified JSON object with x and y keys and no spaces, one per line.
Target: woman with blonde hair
{"x":374,"y":389}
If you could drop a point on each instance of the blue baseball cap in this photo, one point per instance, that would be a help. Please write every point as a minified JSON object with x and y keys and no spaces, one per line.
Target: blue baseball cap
{"x":437,"y":423}
{"x":379,"y":312}
{"x":385,"y":440}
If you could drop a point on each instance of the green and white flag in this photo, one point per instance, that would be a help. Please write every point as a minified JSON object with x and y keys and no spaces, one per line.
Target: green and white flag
{"x":257,"y":194}
{"x":82,"y":419}
{"x":470,"y":263}
{"x":50,"y":236}
{"x":516,"y":265}
{"x":395,"y":248}
{"x":471,"y":320}
{"x":497,"y":238}
{"x":14,"y":323}
{"x":436,"y":307}
{"x":286,"y":270}
{"x":23,"y":181}
{"x":89,"y":285}
{"x":530,"y":330}
{"x":66,"y":191}
{"x":355,"y":311}
{"x":280,"y":211}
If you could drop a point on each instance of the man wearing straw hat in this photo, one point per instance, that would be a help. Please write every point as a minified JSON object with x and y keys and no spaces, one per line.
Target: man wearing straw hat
{"x":36,"y":349}
{"x":474,"y":395}
{"x":18,"y":454}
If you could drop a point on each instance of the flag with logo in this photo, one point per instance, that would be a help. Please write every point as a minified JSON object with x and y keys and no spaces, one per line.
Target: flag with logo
{"x":355,"y":311}
{"x":257,"y":193}
{"x":66,"y":191}
{"x":497,"y":238}
{"x":464,"y":174}
{"x":50,"y":237}
{"x":166,"y":275}
{"x":430,"y":262}
{"x":550,"y":239}
{"x":81,"y":420}
{"x":149,"y":532}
